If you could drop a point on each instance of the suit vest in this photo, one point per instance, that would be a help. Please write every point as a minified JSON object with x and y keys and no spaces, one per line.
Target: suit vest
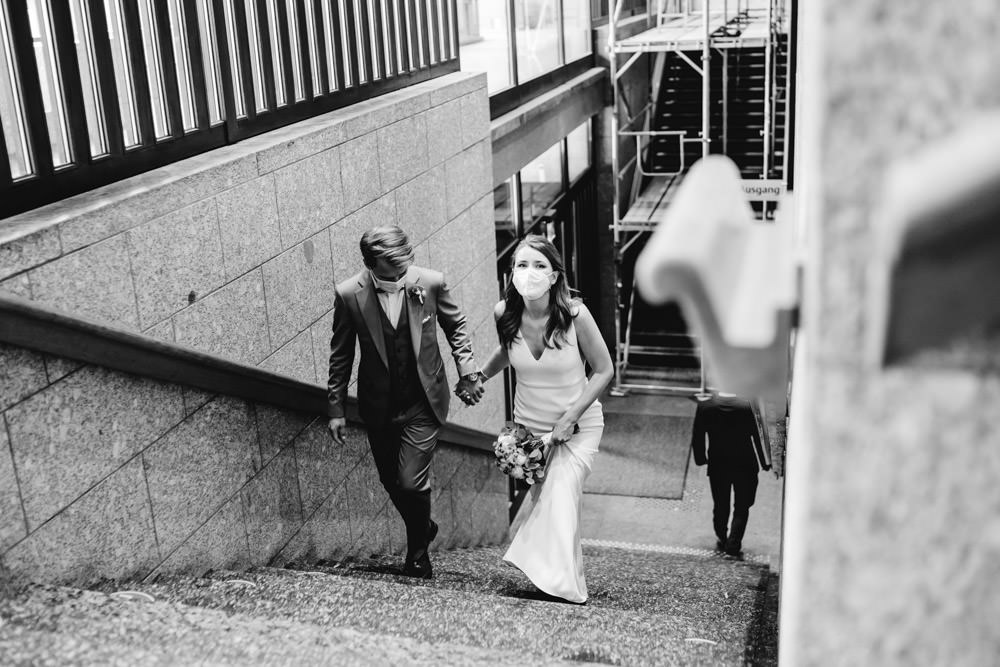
{"x":405,"y":389}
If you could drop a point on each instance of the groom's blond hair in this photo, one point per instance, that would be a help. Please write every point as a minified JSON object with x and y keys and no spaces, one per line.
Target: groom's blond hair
{"x":388,"y":242}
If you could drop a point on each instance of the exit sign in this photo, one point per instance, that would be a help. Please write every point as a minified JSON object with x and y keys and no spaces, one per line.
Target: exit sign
{"x":764,"y":189}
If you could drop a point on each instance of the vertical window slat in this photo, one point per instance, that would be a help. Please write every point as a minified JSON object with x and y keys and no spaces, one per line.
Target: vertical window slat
{"x":168,"y":68}
{"x":317,"y":35}
{"x":39,"y":150}
{"x":278,"y":54}
{"x":334,"y":57}
{"x":362,"y":34}
{"x":288,"y":52}
{"x":50,"y":60}
{"x":242,"y":38}
{"x":152,"y":58}
{"x":378,"y":38}
{"x":252,"y":23}
{"x":348,"y":30}
{"x":403,"y":35}
{"x":199,"y":89}
{"x":215,"y":15}
{"x":81,"y":38}
{"x":136,"y":71}
{"x":423,"y":34}
{"x":305,"y":54}
{"x":105,"y":74}
{"x":13,"y":129}
{"x":267,"y":54}
{"x":182,"y":63}
{"x":391,"y":38}
{"x":433,"y":33}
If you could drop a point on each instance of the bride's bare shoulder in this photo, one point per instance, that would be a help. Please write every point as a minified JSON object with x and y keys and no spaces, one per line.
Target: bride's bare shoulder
{"x":498,"y":310}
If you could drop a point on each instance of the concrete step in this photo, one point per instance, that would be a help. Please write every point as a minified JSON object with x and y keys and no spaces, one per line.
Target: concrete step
{"x":52,"y":625}
{"x":644,"y":609}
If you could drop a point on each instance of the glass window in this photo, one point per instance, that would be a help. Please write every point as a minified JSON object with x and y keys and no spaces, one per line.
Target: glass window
{"x":503,"y":216}
{"x":537,"y":38}
{"x":578,"y":151}
{"x":484,"y":41}
{"x":541,"y":183}
{"x":576,"y":28}
{"x":11,"y":113}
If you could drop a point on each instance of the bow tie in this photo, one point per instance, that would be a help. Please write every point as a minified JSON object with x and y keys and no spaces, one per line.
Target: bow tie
{"x":382,"y":290}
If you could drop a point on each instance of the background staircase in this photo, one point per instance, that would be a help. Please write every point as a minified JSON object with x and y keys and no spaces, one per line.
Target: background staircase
{"x":661,"y":352}
{"x":645,"y":608}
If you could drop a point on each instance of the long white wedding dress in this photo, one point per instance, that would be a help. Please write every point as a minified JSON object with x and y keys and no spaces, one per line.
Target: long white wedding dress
{"x":546,"y":544}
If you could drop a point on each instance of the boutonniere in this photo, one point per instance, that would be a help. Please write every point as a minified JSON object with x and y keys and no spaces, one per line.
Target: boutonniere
{"x":417,"y":292}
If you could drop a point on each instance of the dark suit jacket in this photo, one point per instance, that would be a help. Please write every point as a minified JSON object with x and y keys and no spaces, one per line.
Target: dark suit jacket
{"x":356,"y":318}
{"x":734,"y":444}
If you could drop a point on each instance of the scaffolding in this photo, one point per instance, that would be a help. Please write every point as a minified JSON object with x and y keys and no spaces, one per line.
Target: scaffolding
{"x":691,"y":30}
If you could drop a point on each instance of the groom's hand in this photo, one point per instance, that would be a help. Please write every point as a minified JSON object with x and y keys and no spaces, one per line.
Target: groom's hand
{"x":470,"y":390}
{"x":336,"y":426}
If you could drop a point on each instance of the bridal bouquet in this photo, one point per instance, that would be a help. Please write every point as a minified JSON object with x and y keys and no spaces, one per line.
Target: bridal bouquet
{"x":520,"y":454}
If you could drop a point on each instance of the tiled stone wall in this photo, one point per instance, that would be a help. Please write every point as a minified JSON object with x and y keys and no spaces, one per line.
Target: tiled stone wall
{"x":236,"y":252}
{"x":893,"y":503}
{"x":108,"y":475}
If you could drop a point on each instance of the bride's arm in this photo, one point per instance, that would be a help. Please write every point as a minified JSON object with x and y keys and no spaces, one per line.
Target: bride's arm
{"x":596,"y":354}
{"x":498,"y":360}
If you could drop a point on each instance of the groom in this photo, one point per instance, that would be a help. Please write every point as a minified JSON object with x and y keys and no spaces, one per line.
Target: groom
{"x":392,"y":308}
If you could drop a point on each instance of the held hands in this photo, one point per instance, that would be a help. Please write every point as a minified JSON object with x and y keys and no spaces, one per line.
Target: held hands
{"x":470,"y":391}
{"x":336,"y":426}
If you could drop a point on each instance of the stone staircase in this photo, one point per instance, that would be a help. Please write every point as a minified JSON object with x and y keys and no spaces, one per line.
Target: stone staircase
{"x":645,"y":608}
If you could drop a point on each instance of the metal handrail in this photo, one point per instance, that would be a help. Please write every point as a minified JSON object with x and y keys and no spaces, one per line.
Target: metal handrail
{"x":31,"y":325}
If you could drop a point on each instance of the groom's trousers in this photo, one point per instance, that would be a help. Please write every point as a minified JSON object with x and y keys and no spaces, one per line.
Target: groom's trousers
{"x":403,"y":451}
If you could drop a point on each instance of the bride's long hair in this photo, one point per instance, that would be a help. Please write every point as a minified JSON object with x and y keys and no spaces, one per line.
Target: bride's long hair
{"x":561,"y":304}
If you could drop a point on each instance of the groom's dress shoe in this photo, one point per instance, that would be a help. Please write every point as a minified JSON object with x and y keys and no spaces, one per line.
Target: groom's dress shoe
{"x":419,"y":567}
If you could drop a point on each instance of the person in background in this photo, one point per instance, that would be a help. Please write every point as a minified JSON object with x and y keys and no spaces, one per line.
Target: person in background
{"x":726,"y":437}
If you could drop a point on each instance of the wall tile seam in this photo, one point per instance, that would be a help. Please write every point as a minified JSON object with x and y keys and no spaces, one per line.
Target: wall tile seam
{"x":131,"y":275}
{"x":336,"y":487}
{"x":218,"y":510}
{"x":47,"y":384}
{"x":77,"y":499}
{"x":17,"y":482}
{"x":298,"y":484}
{"x":337,"y":145}
{"x":152,"y":511}
{"x":26,"y":275}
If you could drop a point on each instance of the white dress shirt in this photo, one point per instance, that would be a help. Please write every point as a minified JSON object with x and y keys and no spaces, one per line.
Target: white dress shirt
{"x":392,"y":303}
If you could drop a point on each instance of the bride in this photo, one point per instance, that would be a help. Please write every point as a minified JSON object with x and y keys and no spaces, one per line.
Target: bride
{"x":547,"y":338}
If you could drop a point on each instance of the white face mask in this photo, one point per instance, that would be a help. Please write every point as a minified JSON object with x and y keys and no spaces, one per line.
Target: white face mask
{"x":531,"y":283}
{"x":390,"y":286}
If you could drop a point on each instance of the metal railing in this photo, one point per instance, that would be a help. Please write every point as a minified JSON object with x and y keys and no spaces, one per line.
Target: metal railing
{"x":93,"y":91}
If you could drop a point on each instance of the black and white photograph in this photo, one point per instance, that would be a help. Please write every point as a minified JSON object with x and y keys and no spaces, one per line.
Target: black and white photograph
{"x":500,"y":332}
